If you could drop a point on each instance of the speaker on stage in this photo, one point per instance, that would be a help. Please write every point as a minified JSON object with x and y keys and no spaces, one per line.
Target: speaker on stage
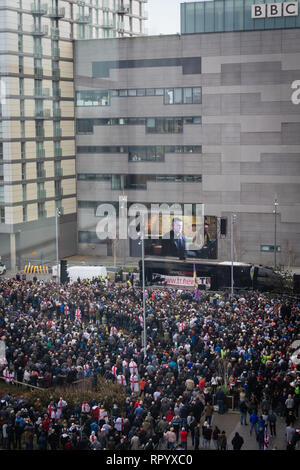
{"x":223,"y":227}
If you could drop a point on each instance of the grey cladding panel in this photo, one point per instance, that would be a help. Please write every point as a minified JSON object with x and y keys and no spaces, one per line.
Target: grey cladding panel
{"x":270,"y":168}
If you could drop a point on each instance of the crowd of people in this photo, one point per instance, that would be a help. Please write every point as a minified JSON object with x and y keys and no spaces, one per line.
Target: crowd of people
{"x":198,"y":352}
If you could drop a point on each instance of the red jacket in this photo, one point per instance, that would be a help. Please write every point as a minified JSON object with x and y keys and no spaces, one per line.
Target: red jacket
{"x":169,"y":417}
{"x":183,"y":436}
{"x":46,"y":424}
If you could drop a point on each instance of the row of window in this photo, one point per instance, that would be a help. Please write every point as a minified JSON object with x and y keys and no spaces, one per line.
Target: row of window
{"x":154,"y":125}
{"x":137,"y":181}
{"x":142,"y":153}
{"x":186,"y":95}
{"x":41,"y":211}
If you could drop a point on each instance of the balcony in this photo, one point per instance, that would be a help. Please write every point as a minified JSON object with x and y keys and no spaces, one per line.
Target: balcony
{"x":42,"y":214}
{"x":56,"y":93}
{"x":57,"y":152}
{"x":39,"y":134}
{"x":58,"y":171}
{"x":123,"y":9}
{"x":56,"y":13}
{"x":38,"y":71}
{"x":42,"y":113}
{"x":39,"y":30}
{"x":56,"y":51}
{"x":41,"y":194}
{"x":41,"y":173}
{"x":59,"y":192}
{"x":57,"y":113}
{"x":40,"y":153}
{"x":56,"y":73}
{"x":57,"y":132}
{"x":108,"y":25}
{"x":39,"y":10}
{"x":38,"y":51}
{"x":54,"y":32}
{"x":42,"y":92}
{"x":83,"y":19}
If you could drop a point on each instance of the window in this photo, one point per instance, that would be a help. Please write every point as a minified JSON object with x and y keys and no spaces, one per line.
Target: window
{"x":1,"y":150}
{"x":132,"y":92}
{"x":23,"y":171}
{"x":22,"y":109}
{"x":23,"y":150}
{"x":40,"y":151}
{"x":21,"y":86}
{"x":164,"y":125}
{"x":197,"y":95}
{"x":146,"y":154}
{"x":136,"y":151}
{"x":39,"y":128}
{"x":58,"y":188}
{"x":40,"y":170}
{"x":177,"y":95}
{"x":41,"y":210}
{"x":169,"y":96}
{"x":1,"y":193}
{"x":37,"y":45}
{"x":187,"y":95}
{"x":2,"y":214}
{"x":41,"y":193}
{"x":92,"y":98}
{"x":56,"y":129}
{"x":190,"y":95}
{"x":269,"y":248}
{"x":21,"y":64}
{"x":85,"y":126}
{"x":20,"y":43}
{"x":150,"y":92}
{"x":22,"y":129}
{"x":57,"y":149}
{"x":25,"y":213}
{"x":57,"y":168}
{"x":137,"y":181}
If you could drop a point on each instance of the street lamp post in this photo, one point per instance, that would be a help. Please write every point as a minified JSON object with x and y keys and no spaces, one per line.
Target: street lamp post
{"x":275,"y":231}
{"x":57,"y":215}
{"x":233,"y":217}
{"x":143,"y":287}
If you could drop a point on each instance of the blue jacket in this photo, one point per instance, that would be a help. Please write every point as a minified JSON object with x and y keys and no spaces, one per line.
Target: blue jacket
{"x":253,"y":418}
{"x":260,"y":424}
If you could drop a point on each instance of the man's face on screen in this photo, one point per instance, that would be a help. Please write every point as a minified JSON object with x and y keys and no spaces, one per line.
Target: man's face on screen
{"x":177,"y":227}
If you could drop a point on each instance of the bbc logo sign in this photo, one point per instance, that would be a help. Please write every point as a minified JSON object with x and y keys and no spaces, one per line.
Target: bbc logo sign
{"x":275,"y":10}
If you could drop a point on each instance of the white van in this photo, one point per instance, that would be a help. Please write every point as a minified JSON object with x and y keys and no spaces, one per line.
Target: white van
{"x":83,"y":272}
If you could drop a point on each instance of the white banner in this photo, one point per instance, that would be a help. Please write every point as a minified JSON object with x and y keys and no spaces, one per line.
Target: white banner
{"x":185,"y":281}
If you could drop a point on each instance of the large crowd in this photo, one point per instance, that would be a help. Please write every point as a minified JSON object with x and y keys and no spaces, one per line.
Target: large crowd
{"x":199,"y":351}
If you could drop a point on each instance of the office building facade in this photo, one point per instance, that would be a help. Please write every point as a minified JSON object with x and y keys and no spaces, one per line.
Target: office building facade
{"x":37,"y":126}
{"x":202,"y":118}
